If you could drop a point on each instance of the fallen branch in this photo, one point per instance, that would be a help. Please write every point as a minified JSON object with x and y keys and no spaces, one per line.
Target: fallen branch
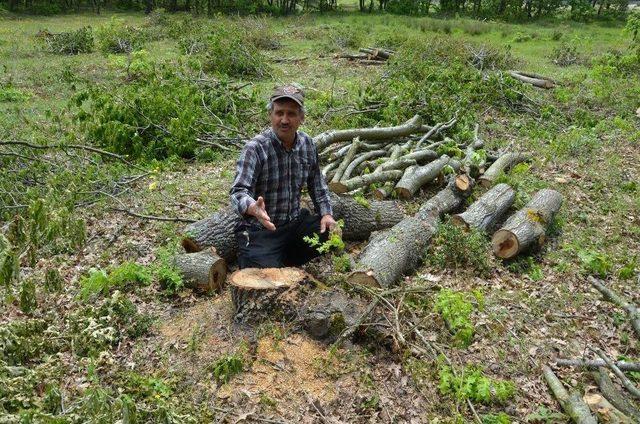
{"x":536,"y":82}
{"x":597,"y":363}
{"x":632,"y":311}
{"x":502,"y":164}
{"x":614,"y":396}
{"x":631,"y":388}
{"x":572,"y":404}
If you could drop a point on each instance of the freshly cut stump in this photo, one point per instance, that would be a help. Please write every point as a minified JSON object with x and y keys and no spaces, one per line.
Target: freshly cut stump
{"x":260,"y":293}
{"x":487,"y":211}
{"x":528,"y":226}
{"x":203,"y":271}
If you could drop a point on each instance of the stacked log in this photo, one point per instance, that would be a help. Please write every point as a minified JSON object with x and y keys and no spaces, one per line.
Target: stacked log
{"x":484,"y":213}
{"x":527,"y":228}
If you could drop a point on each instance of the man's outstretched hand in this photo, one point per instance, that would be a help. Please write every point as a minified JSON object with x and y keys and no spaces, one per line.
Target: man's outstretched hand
{"x":327,"y":223}
{"x":258,"y":210}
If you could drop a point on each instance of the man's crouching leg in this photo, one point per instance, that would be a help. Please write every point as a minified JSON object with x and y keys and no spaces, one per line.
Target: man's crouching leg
{"x":298,"y":251}
{"x":260,"y":248}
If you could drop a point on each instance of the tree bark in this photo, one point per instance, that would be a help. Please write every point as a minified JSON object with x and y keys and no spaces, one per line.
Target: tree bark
{"x":487,"y":211}
{"x":204,"y":271}
{"x":359,"y":221}
{"x":597,"y":363}
{"x":572,"y":404}
{"x":613,"y":395}
{"x":536,"y":82}
{"x":632,"y":311}
{"x":327,"y":313}
{"x":527,"y":227}
{"x":261,"y":293}
{"x":502,"y":164}
{"x":364,"y":180}
{"x":399,"y":250}
{"x":604,"y":411}
{"x":325,"y":139}
{"x":415,"y":177}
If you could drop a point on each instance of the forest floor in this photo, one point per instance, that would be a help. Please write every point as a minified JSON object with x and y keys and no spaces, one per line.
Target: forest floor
{"x":64,"y":359}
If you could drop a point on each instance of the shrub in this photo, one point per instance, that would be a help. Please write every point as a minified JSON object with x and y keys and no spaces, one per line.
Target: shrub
{"x":118,"y":37}
{"x":566,"y":54}
{"x":472,"y":384}
{"x":119,"y":277}
{"x":226,"y":367}
{"x":453,"y":247}
{"x":455,"y":309}
{"x":72,"y":42}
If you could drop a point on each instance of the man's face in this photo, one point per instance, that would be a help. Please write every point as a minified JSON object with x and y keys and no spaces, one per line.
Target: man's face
{"x":286,"y":118}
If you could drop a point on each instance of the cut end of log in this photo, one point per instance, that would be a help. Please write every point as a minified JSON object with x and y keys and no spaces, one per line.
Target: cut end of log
{"x":190,"y":246}
{"x":217,"y":277}
{"x":463,"y":182}
{"x":485,"y":182}
{"x":365,"y":278}
{"x":266,"y":278}
{"x":505,"y":244}
{"x":459,"y":222}
{"x":338,"y":187}
{"x":403,"y":193}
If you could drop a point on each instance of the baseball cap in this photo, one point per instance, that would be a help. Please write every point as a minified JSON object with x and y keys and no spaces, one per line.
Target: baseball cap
{"x":290,"y":92}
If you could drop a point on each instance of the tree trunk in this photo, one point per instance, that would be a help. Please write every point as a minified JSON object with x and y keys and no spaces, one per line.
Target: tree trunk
{"x":501,"y":164}
{"x":572,"y":404}
{"x":360,"y":220}
{"x":325,"y":139}
{"x":527,"y":227}
{"x":261,"y":293}
{"x":204,"y":271}
{"x":536,"y":82}
{"x":487,"y":211}
{"x":399,"y":250}
{"x":415,"y":177}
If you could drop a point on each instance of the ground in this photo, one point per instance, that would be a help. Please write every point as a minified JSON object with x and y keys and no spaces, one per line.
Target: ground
{"x":584,"y":143}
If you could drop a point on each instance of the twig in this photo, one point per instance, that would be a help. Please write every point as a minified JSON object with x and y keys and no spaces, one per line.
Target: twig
{"x":631,"y":310}
{"x":631,"y":388}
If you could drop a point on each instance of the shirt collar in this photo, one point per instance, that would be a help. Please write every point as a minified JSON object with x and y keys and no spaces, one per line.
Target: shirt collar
{"x":275,"y":137}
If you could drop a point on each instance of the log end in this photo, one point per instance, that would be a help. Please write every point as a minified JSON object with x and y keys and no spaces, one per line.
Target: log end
{"x":485,"y":182}
{"x":217,"y":277}
{"x":190,"y":246}
{"x":338,"y":187}
{"x":505,"y":244}
{"x":365,"y":278}
{"x":463,"y":182}
{"x":458,"y":221}
{"x":403,"y":193}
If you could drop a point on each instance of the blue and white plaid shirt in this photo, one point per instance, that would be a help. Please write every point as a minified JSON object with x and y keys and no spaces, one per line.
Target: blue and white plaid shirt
{"x":265,"y":168}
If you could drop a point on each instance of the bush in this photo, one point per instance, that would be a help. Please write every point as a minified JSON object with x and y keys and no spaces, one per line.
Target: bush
{"x":72,"y":42}
{"x":566,"y":54}
{"x":453,"y":247}
{"x":118,"y":37}
{"x":455,"y":309}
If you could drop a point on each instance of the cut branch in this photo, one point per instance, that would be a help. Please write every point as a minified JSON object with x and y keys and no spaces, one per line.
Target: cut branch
{"x":364,"y":180}
{"x":502,"y":164}
{"x":597,"y":363}
{"x":572,"y":404}
{"x":536,"y":82}
{"x":631,"y":388}
{"x":613,"y":395}
{"x":487,"y":211}
{"x":415,"y":177}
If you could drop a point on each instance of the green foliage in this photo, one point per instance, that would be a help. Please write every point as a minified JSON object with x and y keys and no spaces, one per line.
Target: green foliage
{"x":456,"y":309}
{"x":118,"y":277}
{"x":472,"y":384}
{"x":226,"y":367}
{"x":566,"y":54}
{"x":544,"y":415}
{"x":25,"y":341}
{"x":334,"y":242}
{"x":118,"y":37}
{"x":453,"y":247}
{"x":361,"y":200}
{"x":595,"y":263}
{"x":628,"y":269}
{"x":342,"y":263}
{"x":9,"y":93}
{"x":53,"y":280}
{"x":28,"y":301}
{"x":166,"y":273}
{"x":72,"y":42}
{"x":500,"y":418}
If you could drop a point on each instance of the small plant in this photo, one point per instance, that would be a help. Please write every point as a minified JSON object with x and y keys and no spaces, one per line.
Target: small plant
{"x":629,"y":269}
{"x":594,"y":263}
{"x":361,"y":200}
{"x":333,"y":243}
{"x":226,"y":367}
{"x":28,"y":301}
{"x":454,"y":248}
{"x":167,"y":274}
{"x":500,"y":418}
{"x":472,"y":384}
{"x":342,"y":263}
{"x":53,"y":280}
{"x":99,"y":281}
{"x":456,"y":309}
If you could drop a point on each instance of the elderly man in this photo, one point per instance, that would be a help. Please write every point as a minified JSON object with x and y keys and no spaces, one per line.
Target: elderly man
{"x":271,"y":172}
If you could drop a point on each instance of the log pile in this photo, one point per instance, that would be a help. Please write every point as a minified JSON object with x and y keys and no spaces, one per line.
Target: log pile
{"x":368,"y":56}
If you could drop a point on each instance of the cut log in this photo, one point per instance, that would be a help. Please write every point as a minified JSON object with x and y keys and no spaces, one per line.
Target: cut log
{"x":364,"y":180}
{"x":359,"y":221}
{"x":348,"y":158}
{"x":536,"y":82}
{"x":597,"y":363}
{"x":604,"y":410}
{"x":360,"y":159}
{"x":632,"y":311}
{"x":502,"y":164}
{"x":613,"y":395}
{"x":487,"y":211}
{"x":203,"y":271}
{"x":325,"y":139}
{"x":262,"y":293}
{"x":626,"y":383}
{"x":422,"y":156}
{"x":415,"y":177}
{"x":383,"y":192}
{"x":572,"y":404}
{"x":399,"y":250}
{"x":527,"y":227}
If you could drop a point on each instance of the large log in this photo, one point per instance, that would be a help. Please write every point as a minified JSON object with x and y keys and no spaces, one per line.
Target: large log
{"x":572,"y":404}
{"x":360,"y":220}
{"x":613,"y":395}
{"x":536,"y":82}
{"x":486,"y":212}
{"x":399,"y":250}
{"x":528,"y":226}
{"x":325,"y":139}
{"x":415,"y":177}
{"x":261,"y":293}
{"x":501,"y":164}
{"x":203,"y":271}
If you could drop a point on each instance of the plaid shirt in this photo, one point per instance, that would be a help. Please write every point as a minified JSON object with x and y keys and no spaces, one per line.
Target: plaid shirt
{"x":266,"y":169}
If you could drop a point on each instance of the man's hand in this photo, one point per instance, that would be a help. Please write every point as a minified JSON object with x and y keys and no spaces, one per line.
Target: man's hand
{"x":327,"y":222}
{"x":258,"y":210}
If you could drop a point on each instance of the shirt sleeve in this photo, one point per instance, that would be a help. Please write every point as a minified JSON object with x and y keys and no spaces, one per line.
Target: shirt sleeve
{"x":318,"y":189}
{"x":242,"y":189}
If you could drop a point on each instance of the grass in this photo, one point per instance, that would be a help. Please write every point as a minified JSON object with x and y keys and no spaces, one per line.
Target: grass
{"x":584,"y":141}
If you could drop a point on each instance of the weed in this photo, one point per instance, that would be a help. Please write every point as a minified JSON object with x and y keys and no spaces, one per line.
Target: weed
{"x":341,"y":263}
{"x":595,"y":263}
{"x":472,"y":384}
{"x":628,"y":269}
{"x":544,"y":415}
{"x":333,"y":243}
{"x":456,"y":309}
{"x":500,"y":418}
{"x":53,"y":280}
{"x":453,"y":247}
{"x":28,"y":301}
{"x":226,"y":367}
{"x":118,"y":277}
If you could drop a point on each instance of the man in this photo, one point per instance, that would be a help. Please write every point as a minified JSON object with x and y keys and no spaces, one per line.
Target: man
{"x":271,"y":172}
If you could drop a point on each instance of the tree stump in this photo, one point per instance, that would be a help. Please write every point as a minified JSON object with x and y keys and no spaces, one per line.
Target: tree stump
{"x":528,"y":226}
{"x":260,"y":293}
{"x":203,"y":271}
{"x":486,"y":212}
